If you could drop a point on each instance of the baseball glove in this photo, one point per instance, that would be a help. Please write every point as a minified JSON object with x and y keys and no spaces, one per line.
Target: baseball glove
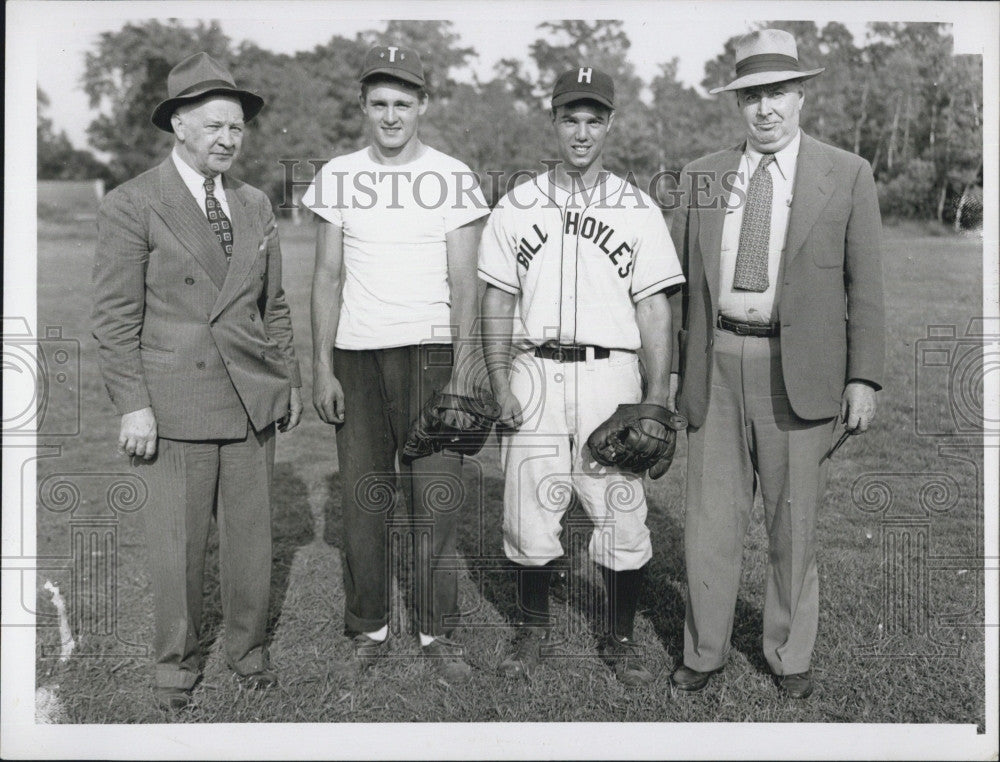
{"x":631,"y":439}
{"x":451,"y":422}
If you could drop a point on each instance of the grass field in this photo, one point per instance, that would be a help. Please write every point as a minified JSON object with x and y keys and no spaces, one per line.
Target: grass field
{"x":901,"y":632}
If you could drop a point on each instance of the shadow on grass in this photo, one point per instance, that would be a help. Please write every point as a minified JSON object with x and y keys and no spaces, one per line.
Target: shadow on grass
{"x":291,"y":528}
{"x":663,"y":600}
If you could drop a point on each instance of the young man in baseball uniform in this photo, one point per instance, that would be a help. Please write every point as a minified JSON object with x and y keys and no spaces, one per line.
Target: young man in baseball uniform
{"x":393,"y":304}
{"x":576,"y":263}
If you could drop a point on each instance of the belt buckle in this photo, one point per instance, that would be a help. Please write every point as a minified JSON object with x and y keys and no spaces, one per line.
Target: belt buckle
{"x":741,"y":329}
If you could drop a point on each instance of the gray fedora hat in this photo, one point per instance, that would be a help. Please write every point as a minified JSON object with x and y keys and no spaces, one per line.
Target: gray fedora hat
{"x":765,"y":57}
{"x":196,"y":77}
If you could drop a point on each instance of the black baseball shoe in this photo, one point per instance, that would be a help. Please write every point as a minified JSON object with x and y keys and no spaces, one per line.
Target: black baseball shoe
{"x":528,"y":644}
{"x":625,"y":658}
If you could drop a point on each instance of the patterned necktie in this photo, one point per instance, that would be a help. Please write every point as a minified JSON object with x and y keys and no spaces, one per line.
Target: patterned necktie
{"x":218,"y":219}
{"x":755,"y":232}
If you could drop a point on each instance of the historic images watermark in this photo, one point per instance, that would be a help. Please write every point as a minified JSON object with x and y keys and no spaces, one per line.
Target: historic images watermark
{"x":950,"y":416}
{"x":42,"y":380}
{"x":42,"y":401}
{"x":430,"y":189}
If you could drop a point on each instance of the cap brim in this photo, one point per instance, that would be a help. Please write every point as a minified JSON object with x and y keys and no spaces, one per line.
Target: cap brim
{"x":405,"y":76}
{"x":580,"y":95}
{"x":251,"y":102}
{"x":766,"y":78}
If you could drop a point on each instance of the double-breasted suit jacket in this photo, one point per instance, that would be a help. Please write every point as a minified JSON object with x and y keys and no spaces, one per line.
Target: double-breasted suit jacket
{"x":204,"y":344}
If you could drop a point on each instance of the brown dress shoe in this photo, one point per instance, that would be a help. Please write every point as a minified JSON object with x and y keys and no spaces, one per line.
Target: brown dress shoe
{"x":798,"y":686}
{"x":691,"y":680}
{"x":173,"y":699}
{"x":258,"y":681}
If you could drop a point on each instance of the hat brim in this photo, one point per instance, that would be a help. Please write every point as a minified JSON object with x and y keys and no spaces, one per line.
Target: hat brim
{"x":251,"y":102}
{"x":403,"y":76}
{"x":581,"y":95}
{"x":766,"y":78}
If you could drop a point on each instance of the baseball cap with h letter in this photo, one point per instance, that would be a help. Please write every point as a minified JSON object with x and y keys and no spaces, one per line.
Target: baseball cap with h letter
{"x":584,"y":83}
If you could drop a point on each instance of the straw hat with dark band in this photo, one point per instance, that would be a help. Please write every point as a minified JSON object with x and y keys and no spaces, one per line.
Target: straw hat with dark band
{"x":195,"y":78}
{"x":765,"y":57}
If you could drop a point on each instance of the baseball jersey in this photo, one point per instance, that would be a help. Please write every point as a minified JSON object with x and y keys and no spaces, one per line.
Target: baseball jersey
{"x":578,"y":260}
{"x":395,"y":219}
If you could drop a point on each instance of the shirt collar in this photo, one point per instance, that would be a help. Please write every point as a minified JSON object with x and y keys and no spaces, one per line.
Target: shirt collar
{"x":607,"y":184}
{"x":194,"y":181}
{"x":784,"y":159}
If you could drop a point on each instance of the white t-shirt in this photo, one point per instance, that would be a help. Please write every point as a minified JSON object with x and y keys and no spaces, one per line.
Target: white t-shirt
{"x":579,"y":260}
{"x":394,"y":220}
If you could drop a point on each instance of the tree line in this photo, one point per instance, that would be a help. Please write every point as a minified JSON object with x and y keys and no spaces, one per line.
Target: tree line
{"x":900,"y":98}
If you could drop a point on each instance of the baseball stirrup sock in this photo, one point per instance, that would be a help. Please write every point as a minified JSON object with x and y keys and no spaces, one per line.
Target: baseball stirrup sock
{"x":533,"y":594}
{"x":623,"y":588}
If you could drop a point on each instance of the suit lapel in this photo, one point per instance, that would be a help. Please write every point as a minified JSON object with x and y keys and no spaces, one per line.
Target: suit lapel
{"x":244,"y":247}
{"x":188,"y":223}
{"x":813,"y":190}
{"x":712,"y":216}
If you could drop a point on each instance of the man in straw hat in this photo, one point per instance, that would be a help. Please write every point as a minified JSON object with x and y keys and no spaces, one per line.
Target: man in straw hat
{"x":782,"y":336}
{"x":195,"y":345}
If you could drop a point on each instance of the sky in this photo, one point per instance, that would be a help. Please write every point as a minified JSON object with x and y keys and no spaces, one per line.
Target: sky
{"x":694,"y":33}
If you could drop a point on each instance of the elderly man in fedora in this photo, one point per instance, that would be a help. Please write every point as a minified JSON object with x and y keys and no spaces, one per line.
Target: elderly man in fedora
{"x":195,"y":345}
{"x":782,"y":336}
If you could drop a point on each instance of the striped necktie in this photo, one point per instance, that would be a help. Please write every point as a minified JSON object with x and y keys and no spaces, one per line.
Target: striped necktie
{"x":755,"y":231}
{"x":218,"y":219}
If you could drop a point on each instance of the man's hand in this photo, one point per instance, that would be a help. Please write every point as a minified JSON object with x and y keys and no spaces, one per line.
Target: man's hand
{"x":138,"y":433}
{"x":857,"y":407}
{"x":456,"y":418}
{"x":328,"y":396}
{"x":511,"y":416}
{"x":294,"y":415}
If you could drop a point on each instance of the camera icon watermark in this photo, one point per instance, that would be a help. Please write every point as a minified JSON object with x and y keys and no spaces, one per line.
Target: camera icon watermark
{"x":951,"y":379}
{"x":41,"y":381}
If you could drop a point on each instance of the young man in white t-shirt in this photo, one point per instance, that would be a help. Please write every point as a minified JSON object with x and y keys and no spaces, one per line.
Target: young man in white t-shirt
{"x":577,"y":262}
{"x":393,"y":306}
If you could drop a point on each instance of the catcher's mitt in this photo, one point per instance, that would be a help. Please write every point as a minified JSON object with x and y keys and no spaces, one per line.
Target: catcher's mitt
{"x":631,"y":439}
{"x":451,"y":422}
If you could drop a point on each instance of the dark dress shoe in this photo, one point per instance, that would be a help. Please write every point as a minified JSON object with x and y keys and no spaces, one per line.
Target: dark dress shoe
{"x":691,"y":680}
{"x":798,"y":686}
{"x":173,"y":699}
{"x":258,"y":681}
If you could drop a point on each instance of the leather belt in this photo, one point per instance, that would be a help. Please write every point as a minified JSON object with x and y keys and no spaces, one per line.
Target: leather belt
{"x":570,"y":352}
{"x":759,"y":330}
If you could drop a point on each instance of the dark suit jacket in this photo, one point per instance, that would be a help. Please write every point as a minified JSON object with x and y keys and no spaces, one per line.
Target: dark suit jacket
{"x":203,"y":344}
{"x":830,"y":307}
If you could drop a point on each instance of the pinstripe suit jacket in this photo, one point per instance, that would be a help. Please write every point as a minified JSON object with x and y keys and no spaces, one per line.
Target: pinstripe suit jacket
{"x":205,"y":345}
{"x":831,"y":306}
